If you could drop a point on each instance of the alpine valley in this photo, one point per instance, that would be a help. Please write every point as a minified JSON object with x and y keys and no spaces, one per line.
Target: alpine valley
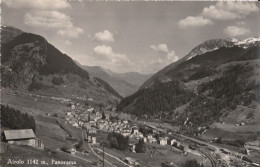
{"x":202,"y":110}
{"x":215,"y":85}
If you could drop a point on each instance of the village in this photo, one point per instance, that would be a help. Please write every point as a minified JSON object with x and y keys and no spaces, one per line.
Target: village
{"x":91,"y":121}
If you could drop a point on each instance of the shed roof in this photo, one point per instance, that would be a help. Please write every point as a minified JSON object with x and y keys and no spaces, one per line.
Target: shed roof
{"x":19,"y":134}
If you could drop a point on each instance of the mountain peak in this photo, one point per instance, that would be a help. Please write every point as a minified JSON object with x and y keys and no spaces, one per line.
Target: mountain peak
{"x":247,"y":42}
{"x":214,"y":44}
{"x":210,"y":45}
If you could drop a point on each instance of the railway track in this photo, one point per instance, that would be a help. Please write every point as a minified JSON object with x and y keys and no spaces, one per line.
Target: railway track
{"x":212,"y":161}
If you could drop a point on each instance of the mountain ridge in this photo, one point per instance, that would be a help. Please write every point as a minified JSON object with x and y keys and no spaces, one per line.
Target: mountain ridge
{"x":124,"y":83}
{"x":30,"y":63}
{"x":204,"y":47}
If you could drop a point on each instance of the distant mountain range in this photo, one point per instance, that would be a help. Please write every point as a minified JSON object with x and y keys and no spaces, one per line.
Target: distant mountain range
{"x":124,"y":83}
{"x":202,"y":87}
{"x":30,"y":63}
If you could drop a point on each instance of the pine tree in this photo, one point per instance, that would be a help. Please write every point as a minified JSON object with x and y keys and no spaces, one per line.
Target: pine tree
{"x":103,"y":115}
{"x":140,"y":146}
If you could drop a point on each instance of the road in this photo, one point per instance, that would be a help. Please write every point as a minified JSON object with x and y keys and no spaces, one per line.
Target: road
{"x":78,"y":157}
{"x":99,"y":156}
{"x":114,"y":157}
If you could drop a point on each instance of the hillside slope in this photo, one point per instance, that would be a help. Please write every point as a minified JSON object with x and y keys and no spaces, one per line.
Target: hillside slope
{"x":30,"y":63}
{"x":202,"y":88}
{"x":124,"y":83}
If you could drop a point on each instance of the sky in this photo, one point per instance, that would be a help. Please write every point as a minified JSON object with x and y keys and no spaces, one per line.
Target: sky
{"x":139,"y":36}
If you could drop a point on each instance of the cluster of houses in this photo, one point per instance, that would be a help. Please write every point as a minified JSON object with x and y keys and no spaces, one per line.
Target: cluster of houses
{"x":91,"y":120}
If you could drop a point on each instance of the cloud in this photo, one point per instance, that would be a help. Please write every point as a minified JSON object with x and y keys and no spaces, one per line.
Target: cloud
{"x":104,"y":56}
{"x":161,"y":62}
{"x":53,"y":19}
{"x":220,"y":11}
{"x":37,"y":4}
{"x":160,"y":48}
{"x":192,"y":21}
{"x":241,"y":23}
{"x":233,"y":31}
{"x":68,"y":43}
{"x":172,"y":56}
{"x":105,"y":36}
{"x":72,"y":32}
{"x":108,"y":53}
{"x":229,"y":10}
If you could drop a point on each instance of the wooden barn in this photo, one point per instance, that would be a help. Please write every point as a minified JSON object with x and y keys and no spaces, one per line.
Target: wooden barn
{"x":23,"y":137}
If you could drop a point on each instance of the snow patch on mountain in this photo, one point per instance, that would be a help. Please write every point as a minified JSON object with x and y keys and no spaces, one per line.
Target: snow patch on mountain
{"x":214,"y":44}
{"x":248,"y":42}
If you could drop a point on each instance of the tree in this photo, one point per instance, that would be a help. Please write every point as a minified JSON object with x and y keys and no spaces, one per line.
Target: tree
{"x":103,"y":115}
{"x":14,"y":119}
{"x":192,"y":163}
{"x":118,"y":141}
{"x":219,"y":140}
{"x":57,"y":80}
{"x":79,"y":144}
{"x":140,"y":146}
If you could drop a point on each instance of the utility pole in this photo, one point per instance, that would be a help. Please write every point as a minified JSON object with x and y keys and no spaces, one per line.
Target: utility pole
{"x":103,"y":155}
{"x":83,"y":138}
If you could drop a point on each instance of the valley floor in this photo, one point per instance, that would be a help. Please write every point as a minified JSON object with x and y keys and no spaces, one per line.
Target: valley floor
{"x":55,"y":137}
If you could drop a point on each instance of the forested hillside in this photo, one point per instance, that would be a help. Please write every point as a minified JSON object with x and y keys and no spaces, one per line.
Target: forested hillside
{"x":14,"y":119}
{"x":200,"y":89}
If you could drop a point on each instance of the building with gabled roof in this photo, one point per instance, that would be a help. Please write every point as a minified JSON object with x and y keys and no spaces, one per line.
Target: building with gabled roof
{"x":23,"y":137}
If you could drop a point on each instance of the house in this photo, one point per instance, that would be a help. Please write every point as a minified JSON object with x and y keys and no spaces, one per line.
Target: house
{"x":140,"y":135}
{"x":73,"y":107}
{"x":23,"y":137}
{"x":131,"y":161}
{"x":92,"y":138}
{"x":152,"y":140}
{"x":92,"y":130}
{"x":171,"y":141}
{"x":135,"y":131}
{"x":132,"y":147}
{"x":90,"y":135}
{"x":125,"y":134}
{"x":90,"y":109}
{"x":127,"y":130}
{"x":162,"y":141}
{"x":100,"y":125}
{"x":72,"y":151}
{"x":75,"y":124}
{"x":145,"y":139}
{"x":68,"y":113}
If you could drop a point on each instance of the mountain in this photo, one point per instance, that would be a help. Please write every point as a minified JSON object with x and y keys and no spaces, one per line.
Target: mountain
{"x":30,"y":63}
{"x":215,"y":44}
{"x":9,"y":33}
{"x":124,"y":83}
{"x":133,"y":78}
{"x":204,"y":86}
{"x":207,"y":47}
